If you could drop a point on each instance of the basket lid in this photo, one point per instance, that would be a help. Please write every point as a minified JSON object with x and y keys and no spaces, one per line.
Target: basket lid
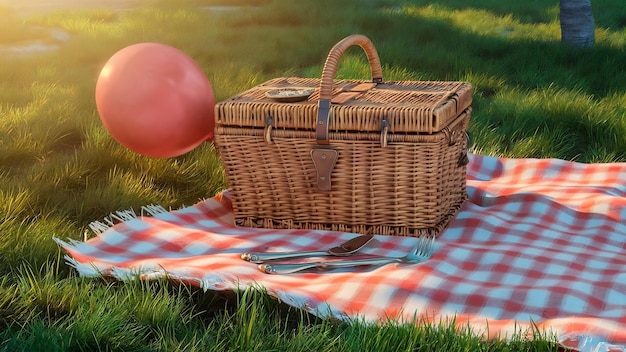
{"x":356,"y":105}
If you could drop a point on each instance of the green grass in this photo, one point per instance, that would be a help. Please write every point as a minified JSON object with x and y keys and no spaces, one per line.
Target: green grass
{"x":47,"y":312}
{"x":60,"y":168}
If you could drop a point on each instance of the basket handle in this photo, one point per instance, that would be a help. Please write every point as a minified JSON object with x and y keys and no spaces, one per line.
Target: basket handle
{"x":328,"y":76}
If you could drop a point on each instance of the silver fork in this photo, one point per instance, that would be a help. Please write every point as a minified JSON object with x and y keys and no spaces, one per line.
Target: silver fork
{"x":420,"y":253}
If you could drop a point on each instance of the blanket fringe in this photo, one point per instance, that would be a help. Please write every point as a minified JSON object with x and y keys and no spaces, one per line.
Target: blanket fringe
{"x":99,"y":227}
{"x":84,"y":270}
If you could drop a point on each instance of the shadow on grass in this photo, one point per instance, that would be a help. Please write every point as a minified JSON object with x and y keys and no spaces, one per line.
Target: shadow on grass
{"x":446,"y":50}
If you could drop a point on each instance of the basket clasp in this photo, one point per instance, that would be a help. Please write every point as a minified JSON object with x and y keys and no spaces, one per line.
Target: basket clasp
{"x":324,"y":160}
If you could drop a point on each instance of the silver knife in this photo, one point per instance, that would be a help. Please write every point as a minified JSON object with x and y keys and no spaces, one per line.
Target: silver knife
{"x":349,"y":247}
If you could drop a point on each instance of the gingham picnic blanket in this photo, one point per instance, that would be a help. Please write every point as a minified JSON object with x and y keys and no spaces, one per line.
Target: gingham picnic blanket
{"x":539,"y":241}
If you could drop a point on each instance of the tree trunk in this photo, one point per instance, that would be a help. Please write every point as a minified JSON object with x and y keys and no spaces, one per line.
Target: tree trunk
{"x":577,"y":24}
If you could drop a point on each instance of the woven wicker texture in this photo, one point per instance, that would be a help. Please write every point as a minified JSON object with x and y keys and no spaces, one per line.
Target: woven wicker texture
{"x":401,"y":149}
{"x":408,"y":106}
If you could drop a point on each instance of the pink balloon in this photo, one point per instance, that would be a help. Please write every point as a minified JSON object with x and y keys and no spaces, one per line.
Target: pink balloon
{"x":155,"y":100}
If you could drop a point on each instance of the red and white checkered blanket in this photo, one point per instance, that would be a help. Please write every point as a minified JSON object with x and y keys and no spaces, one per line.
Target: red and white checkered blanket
{"x":540,"y":241}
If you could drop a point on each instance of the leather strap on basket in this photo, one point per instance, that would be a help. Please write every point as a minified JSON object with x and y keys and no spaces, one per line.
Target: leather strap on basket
{"x":328,"y":76}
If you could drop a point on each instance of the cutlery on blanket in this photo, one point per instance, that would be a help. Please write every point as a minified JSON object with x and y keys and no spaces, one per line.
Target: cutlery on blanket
{"x":420,"y":253}
{"x":349,"y":247}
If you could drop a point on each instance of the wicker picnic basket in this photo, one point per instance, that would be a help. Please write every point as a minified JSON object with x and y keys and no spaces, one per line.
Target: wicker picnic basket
{"x":358,"y":156}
